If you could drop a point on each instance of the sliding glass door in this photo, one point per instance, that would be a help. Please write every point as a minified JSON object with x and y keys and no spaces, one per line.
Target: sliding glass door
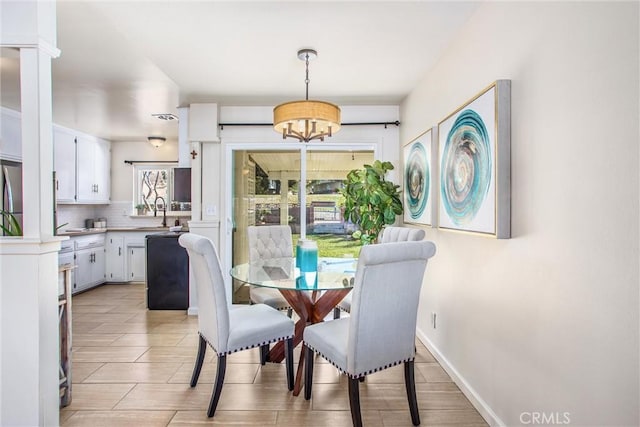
{"x":267,"y":190}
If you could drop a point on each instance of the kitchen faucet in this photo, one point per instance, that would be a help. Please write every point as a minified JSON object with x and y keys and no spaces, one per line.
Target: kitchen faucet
{"x":164,"y":209}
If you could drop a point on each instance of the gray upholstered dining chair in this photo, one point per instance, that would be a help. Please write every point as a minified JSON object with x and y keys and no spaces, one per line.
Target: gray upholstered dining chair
{"x":381,"y":330}
{"x":388,"y":235}
{"x":228,"y":330}
{"x":267,"y":242}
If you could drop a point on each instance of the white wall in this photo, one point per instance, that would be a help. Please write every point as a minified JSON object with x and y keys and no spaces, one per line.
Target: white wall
{"x":548,"y":320}
{"x":122,"y":173}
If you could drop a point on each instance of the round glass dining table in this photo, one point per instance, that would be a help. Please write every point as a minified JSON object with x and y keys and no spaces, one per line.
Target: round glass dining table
{"x":312,"y":295}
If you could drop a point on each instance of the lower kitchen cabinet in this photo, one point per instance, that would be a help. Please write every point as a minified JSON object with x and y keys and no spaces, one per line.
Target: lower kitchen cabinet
{"x":136,"y":263}
{"x":126,"y":256}
{"x":115,"y":258}
{"x":90,"y":262}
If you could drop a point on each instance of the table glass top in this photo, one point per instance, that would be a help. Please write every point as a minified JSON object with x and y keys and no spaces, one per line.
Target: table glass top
{"x":282,"y":273}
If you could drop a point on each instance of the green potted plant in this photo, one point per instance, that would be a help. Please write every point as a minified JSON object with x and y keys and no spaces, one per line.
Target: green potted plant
{"x":370,"y":201}
{"x":10,"y":224}
{"x":141,"y":209}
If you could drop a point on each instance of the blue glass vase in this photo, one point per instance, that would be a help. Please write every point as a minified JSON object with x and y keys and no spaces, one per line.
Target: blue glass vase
{"x":307,"y":255}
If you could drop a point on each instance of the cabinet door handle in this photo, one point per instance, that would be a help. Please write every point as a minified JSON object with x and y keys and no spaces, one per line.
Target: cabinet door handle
{"x":120,"y":251}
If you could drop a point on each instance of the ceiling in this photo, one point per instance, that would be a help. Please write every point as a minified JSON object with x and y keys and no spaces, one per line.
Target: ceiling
{"x":123,"y":61}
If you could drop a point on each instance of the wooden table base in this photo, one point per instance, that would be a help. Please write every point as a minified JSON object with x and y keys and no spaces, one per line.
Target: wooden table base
{"x":310,"y":309}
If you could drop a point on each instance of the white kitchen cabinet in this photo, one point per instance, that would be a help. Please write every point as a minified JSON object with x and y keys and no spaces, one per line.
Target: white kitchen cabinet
{"x":10,"y":135}
{"x":65,"y":257}
{"x":115,"y":258}
{"x":82,"y":164}
{"x":64,"y":159}
{"x":136,"y":263}
{"x":126,"y":256}
{"x":92,"y":171}
{"x":98,"y":274}
{"x":82,"y":278}
{"x":90,"y":262}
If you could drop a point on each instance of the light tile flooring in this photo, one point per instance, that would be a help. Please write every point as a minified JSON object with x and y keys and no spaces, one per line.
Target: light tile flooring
{"x":132,"y":366}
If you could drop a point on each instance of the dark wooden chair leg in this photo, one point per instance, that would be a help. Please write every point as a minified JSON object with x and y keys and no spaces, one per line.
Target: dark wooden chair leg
{"x":308,"y":373}
{"x":202,"y":348}
{"x":264,"y":354}
{"x":336,"y":313}
{"x":222,"y":365}
{"x":354,"y":402}
{"x":410,"y":383}
{"x":361,"y":379}
{"x":289,"y":362}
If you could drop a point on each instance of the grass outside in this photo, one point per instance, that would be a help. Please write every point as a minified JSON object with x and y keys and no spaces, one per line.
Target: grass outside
{"x":333,"y":245}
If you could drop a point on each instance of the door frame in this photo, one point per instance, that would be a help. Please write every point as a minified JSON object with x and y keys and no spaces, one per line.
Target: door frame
{"x":226,"y":226}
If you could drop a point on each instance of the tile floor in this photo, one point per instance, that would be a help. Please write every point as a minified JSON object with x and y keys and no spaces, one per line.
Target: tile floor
{"x":132,"y":366}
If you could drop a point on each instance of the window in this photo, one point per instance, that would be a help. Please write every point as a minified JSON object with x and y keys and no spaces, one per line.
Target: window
{"x":155,"y":187}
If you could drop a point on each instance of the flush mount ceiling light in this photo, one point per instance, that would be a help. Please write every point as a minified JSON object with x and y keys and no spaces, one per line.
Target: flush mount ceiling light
{"x":306,"y":120}
{"x":156,"y":141}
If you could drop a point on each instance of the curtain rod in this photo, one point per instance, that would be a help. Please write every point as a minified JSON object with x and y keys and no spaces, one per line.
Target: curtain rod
{"x":130,"y":162}
{"x":385,"y":124}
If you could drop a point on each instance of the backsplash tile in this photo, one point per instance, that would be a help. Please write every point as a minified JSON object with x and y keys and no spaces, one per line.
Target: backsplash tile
{"x":117,"y":214}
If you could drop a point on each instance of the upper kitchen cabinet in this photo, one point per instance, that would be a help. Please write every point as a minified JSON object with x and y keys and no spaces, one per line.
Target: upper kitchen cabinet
{"x":64,"y":153}
{"x":10,"y":135}
{"x":93,"y":163}
{"x":82,"y":163}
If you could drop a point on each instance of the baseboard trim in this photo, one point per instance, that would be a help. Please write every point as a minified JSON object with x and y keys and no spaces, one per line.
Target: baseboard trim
{"x":476,"y":400}
{"x":192,"y":311}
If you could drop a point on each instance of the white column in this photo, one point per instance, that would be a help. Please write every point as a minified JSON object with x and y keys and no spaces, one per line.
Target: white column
{"x":30,"y":350}
{"x":37,"y":142}
{"x":196,"y":182}
{"x":184,"y":158}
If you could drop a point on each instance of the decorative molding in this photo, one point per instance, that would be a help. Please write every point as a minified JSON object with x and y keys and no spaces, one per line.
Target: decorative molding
{"x":19,"y":41}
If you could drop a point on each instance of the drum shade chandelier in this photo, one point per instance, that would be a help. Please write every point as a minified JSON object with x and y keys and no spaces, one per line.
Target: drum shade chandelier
{"x":306,"y":120}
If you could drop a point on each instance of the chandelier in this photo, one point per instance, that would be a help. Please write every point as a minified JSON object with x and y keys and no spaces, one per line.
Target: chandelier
{"x":306,"y":120}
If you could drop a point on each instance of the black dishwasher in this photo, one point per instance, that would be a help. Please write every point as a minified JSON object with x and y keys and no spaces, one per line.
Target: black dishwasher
{"x":167,"y":272}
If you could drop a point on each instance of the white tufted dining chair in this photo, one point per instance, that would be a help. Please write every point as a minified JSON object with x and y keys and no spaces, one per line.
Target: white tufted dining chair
{"x":381,"y":330}
{"x":229,"y":330}
{"x":268,"y":242}
{"x":388,"y":235}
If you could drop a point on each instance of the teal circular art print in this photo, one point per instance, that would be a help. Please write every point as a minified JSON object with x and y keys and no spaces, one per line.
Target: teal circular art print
{"x":466,"y":168}
{"x":416,"y":180}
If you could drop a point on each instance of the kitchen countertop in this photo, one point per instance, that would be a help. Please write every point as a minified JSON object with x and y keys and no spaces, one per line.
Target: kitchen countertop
{"x":78,"y":232}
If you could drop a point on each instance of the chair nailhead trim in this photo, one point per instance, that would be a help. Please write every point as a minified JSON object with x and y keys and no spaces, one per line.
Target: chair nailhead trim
{"x":371,"y":371}
{"x":244,"y":348}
